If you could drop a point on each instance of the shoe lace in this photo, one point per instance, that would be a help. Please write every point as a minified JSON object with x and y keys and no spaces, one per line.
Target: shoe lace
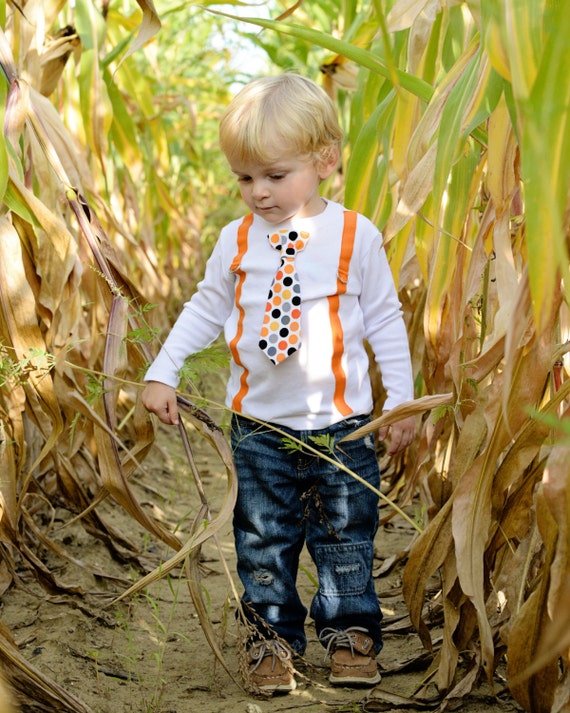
{"x":273,"y":648}
{"x":334,"y":639}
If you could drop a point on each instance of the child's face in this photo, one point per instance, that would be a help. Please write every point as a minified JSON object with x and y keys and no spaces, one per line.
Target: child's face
{"x":285,"y":188}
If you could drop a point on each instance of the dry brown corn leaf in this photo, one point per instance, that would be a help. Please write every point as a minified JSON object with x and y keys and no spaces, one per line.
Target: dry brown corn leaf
{"x":556,"y":488}
{"x":30,"y":685}
{"x":56,"y":51}
{"x":410,"y":408}
{"x":533,"y":690}
{"x":472,"y":518}
{"x":426,"y":554}
{"x":380,"y":699}
{"x":215,"y":437}
{"x":24,"y":335}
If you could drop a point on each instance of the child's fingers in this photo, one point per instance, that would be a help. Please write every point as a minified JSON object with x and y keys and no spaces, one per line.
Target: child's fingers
{"x":171,"y":410}
{"x":161,"y":400}
{"x":402,"y":435}
{"x":166,"y":409}
{"x":383,"y":433}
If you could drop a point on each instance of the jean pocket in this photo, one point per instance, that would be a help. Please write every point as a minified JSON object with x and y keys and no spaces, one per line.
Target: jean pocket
{"x":344,"y":568}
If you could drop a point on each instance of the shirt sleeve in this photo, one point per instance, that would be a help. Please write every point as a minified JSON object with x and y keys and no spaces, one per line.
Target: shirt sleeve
{"x":200,"y":322}
{"x":385,"y":328}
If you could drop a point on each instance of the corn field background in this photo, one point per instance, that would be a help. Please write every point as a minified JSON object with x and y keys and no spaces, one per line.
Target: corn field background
{"x":457,"y":122}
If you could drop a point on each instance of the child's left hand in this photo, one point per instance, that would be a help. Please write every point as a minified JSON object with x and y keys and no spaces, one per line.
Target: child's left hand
{"x":402,"y":433}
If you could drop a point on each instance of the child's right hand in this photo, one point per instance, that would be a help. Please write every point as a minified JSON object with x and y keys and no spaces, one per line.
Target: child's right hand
{"x":161,"y":399}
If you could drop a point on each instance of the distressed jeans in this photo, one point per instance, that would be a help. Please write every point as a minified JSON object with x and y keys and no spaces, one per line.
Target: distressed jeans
{"x":288,"y":497}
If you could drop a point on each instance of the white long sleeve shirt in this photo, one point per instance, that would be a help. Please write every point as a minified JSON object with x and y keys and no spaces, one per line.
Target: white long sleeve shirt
{"x":348,"y":295}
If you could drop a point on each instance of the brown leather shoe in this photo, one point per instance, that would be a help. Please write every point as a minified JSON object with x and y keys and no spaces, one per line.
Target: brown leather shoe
{"x":352,"y":657}
{"x":270,"y":667}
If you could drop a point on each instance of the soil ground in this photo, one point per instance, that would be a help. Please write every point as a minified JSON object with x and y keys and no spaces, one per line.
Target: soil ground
{"x":149,"y":653}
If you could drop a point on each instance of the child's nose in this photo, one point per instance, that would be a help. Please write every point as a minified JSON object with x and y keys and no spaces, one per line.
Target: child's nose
{"x":259,"y":189}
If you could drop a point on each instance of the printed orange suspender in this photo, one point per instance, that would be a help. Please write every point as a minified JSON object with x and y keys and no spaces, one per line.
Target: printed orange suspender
{"x":346,"y":248}
{"x":242,"y":235}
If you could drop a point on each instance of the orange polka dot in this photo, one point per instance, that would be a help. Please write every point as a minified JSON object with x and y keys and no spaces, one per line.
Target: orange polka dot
{"x":288,"y":268}
{"x":294,"y":326}
{"x":293,"y":339}
{"x":282,"y":344}
{"x":295,"y":313}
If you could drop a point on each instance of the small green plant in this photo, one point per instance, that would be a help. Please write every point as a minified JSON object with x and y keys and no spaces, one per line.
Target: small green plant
{"x":323,"y":443}
{"x":420,"y":515}
{"x":16,"y":372}
{"x":94,"y":654}
{"x":149,"y":688}
{"x":310,"y":576}
{"x":291,"y":444}
{"x":143,"y":334}
{"x":207,"y":361}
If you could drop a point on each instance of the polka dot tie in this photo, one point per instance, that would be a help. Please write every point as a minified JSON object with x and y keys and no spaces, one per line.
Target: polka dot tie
{"x":281,"y":330}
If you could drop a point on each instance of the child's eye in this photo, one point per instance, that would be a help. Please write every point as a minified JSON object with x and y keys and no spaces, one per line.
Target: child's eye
{"x":277,"y":176}
{"x":244,"y":179}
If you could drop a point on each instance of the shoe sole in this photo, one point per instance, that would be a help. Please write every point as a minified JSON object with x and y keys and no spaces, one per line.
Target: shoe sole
{"x":284,"y":687}
{"x":354,"y":680}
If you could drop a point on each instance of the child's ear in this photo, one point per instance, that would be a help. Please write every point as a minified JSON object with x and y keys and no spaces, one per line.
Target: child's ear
{"x":328,"y":162}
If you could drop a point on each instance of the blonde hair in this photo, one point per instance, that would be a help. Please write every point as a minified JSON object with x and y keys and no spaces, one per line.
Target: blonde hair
{"x":288,"y":108}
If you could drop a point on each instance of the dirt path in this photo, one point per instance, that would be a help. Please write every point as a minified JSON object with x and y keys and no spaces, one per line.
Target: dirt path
{"x":149,"y":654}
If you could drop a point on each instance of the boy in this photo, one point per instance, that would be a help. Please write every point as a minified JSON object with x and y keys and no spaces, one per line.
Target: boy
{"x":296,"y":286}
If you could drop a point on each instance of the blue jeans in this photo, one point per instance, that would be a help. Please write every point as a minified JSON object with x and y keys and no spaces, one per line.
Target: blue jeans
{"x":289,"y":497}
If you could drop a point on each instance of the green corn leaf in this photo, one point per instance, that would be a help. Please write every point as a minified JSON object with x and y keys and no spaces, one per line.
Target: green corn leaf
{"x":363,"y":57}
{"x":363,"y":168}
{"x":3,"y":151}
{"x":545,"y":160}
